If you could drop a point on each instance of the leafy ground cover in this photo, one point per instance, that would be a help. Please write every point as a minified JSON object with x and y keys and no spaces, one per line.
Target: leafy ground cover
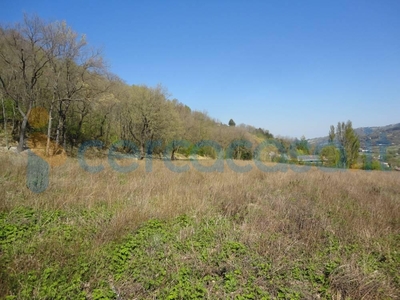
{"x":193,"y":235}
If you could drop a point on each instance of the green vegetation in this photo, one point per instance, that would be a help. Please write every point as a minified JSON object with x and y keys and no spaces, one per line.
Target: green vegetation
{"x":182,"y":258}
{"x":156,"y":234}
{"x":55,"y":96}
{"x":163,"y":235}
{"x":347,"y":142}
{"x":330,"y":155}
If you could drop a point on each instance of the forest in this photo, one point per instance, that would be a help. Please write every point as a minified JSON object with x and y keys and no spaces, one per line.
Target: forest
{"x":57,"y":91}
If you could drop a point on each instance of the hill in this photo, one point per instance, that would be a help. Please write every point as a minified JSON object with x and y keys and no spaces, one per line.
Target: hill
{"x":388,"y":135}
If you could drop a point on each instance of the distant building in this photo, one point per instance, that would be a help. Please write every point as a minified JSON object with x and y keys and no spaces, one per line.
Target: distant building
{"x":364,"y":150}
{"x":309,"y":159}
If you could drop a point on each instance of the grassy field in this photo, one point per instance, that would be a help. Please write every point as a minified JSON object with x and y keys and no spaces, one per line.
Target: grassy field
{"x":197,"y":235}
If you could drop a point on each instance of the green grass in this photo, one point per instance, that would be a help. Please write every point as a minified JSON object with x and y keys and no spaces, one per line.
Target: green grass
{"x":183,"y":258}
{"x":165,"y":235}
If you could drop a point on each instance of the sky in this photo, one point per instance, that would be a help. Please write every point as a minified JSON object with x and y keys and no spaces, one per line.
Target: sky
{"x":292,"y":67}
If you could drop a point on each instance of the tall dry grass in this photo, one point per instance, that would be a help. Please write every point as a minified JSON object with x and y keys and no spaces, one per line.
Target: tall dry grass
{"x":282,"y":215}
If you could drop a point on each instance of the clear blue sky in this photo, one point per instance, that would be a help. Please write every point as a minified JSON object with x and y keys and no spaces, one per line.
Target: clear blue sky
{"x":292,"y":67}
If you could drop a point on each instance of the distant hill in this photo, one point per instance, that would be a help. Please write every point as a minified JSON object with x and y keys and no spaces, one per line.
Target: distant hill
{"x":371,"y":136}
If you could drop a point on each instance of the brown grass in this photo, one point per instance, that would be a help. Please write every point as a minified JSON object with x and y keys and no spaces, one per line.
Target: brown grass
{"x":284,"y":215}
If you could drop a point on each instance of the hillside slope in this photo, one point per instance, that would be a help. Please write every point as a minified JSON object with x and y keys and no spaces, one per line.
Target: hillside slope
{"x":371,"y":136}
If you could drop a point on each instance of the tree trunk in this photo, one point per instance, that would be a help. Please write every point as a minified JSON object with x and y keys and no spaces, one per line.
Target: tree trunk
{"x":58,"y":130}
{"x":142,"y":154}
{"x":24,"y":124}
{"x":173,"y":154}
{"x":174,"y":149}
{"x":65,"y":137}
{"x":13,"y":121}
{"x":5,"y":121}
{"x":49,"y":130}
{"x":60,"y":124}
{"x":21,"y":142}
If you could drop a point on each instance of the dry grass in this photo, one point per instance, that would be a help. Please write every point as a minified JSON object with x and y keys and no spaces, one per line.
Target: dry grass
{"x":282,"y":215}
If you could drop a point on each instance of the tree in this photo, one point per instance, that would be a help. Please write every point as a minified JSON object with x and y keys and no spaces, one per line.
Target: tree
{"x":332,"y":134}
{"x":348,"y":143}
{"x":302,"y":146}
{"x":99,"y":119}
{"x":201,"y":128}
{"x":330,"y":156}
{"x":74,"y":74}
{"x":240,"y":150}
{"x":182,"y":114}
{"x":369,"y":164}
{"x":148,"y":118}
{"x":24,"y":55}
{"x":46,"y":64}
{"x":4,"y":118}
{"x":232,"y":123}
{"x":264,"y":133}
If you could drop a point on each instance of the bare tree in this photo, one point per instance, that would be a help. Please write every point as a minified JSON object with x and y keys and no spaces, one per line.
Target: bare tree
{"x":50,"y":61}
{"x":23,"y":59}
{"x":147,"y":117}
{"x":74,"y":71}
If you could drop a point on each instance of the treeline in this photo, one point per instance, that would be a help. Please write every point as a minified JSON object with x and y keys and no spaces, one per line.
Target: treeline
{"x":54,"y":87}
{"x":57,"y":93}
